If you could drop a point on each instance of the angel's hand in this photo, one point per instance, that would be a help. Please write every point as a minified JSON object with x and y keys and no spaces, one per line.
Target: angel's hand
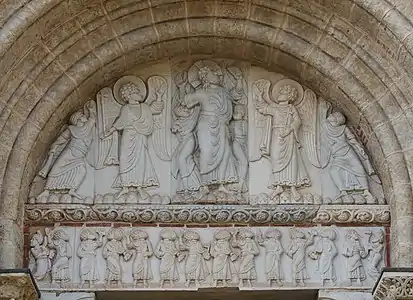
{"x":108,"y":132}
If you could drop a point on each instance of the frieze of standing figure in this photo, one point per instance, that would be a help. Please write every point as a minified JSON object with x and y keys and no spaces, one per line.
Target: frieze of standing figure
{"x":169,"y":258}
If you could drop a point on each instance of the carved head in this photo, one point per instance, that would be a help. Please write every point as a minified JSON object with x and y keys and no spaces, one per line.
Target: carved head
{"x":336,"y":119}
{"x":115,"y":234}
{"x":208,"y":76}
{"x":352,"y":235}
{"x":168,"y":234}
{"x":329,"y":234}
{"x":272,"y":234}
{"x":78,"y":118}
{"x":138,"y":234}
{"x":296,"y":234}
{"x":131,"y":93}
{"x":287,"y":93}
{"x":88,"y":234}
{"x":60,"y":235}
{"x":37,"y":239}
{"x":191,"y":235}
{"x":246,"y":234}
{"x":239,"y":112}
{"x":222,"y":235}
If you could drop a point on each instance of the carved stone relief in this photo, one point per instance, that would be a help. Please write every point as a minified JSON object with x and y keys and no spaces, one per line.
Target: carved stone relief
{"x":248,"y":257}
{"x":207,"y":131}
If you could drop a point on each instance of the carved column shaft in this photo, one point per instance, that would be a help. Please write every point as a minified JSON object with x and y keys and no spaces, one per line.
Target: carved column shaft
{"x":11,"y":245}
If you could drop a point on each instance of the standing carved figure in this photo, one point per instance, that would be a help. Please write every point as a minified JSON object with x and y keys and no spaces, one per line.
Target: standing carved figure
{"x":281,"y":137}
{"x":142,"y":247}
{"x":354,"y":252}
{"x":58,"y":239}
{"x":185,"y":122}
{"x":136,"y":121}
{"x":90,"y":242}
{"x":297,"y":251}
{"x":375,"y":248}
{"x":216,"y":161}
{"x":41,"y":254}
{"x":112,"y":251}
{"x":223,"y":268}
{"x":196,"y":269}
{"x":244,"y":240}
{"x":273,"y":251}
{"x":239,"y":127}
{"x":65,"y":167}
{"x":167,"y":250}
{"x":325,"y":251}
{"x":349,"y":165}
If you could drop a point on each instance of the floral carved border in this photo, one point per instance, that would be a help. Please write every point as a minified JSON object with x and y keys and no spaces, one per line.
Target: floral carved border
{"x":394,"y":284}
{"x":210,"y":214}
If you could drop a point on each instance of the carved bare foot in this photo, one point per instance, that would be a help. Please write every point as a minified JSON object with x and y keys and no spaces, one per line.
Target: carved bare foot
{"x":203,"y":191}
{"x":145,"y":283}
{"x":73,"y":193}
{"x":278,"y":191}
{"x":124,"y":191}
{"x":279,"y":282}
{"x":197,"y":283}
{"x":294,"y":194}
{"x":224,"y":190}
{"x":249,"y":283}
{"x":188,"y":283}
{"x":144,"y":195}
{"x":162,"y":283}
{"x":215,"y":283}
{"x":224,"y":283}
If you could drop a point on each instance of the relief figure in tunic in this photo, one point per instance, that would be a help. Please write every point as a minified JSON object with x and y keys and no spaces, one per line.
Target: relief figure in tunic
{"x":141,"y":267}
{"x":41,"y":253}
{"x":136,"y":122}
{"x":281,"y":138}
{"x":244,"y":240}
{"x":355,"y":253}
{"x":216,"y":160}
{"x":223,"y":267}
{"x":65,"y":167}
{"x":90,"y":242}
{"x":58,"y":240}
{"x":185,"y":121}
{"x":324,"y":251}
{"x":196,"y":253}
{"x":375,"y":248}
{"x":297,"y":251}
{"x":273,"y":251}
{"x":349,"y":166}
{"x":112,"y":251}
{"x":167,"y":250}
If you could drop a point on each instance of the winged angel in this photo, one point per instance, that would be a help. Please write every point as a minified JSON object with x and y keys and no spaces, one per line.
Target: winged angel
{"x":139,"y":118}
{"x":288,"y":119}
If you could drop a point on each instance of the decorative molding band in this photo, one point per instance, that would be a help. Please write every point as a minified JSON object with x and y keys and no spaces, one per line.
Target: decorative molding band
{"x":18,"y":284}
{"x":210,"y":214}
{"x":394,"y":283}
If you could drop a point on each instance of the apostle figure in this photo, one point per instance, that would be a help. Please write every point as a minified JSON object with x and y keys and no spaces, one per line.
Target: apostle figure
{"x":354,"y":252}
{"x":141,"y":268}
{"x":281,"y":140}
{"x":223,"y":268}
{"x":167,"y":251}
{"x":41,"y":254}
{"x":349,"y":166}
{"x":136,"y":122}
{"x":65,"y":167}
{"x":273,"y":251}
{"x":90,"y":242}
{"x":58,"y":240}
{"x":217,"y":164}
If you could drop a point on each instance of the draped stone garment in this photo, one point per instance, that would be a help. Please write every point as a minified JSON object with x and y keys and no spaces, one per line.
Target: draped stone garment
{"x":249,"y":249}
{"x":69,"y":169}
{"x":135,"y":165}
{"x":88,"y":262}
{"x":141,"y":266}
{"x":222,"y":266}
{"x":167,"y":251}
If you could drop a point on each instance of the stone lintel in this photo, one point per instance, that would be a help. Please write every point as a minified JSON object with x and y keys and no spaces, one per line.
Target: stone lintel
{"x":18,"y":284}
{"x":394,"y":283}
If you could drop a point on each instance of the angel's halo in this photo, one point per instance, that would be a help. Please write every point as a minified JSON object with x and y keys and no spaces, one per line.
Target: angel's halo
{"x":283,"y":82}
{"x":193,"y":72}
{"x":128,"y":79}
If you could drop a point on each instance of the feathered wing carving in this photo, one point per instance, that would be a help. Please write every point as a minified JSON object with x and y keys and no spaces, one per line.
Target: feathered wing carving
{"x":236,"y":84}
{"x":161,"y":137}
{"x":312,"y":113}
{"x":108,"y":109}
{"x":260,"y":125}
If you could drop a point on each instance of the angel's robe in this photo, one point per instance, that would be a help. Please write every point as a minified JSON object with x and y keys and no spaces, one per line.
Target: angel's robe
{"x":217,"y":164}
{"x":287,"y":165}
{"x":346,"y":167}
{"x":69,"y":170}
{"x":135,"y":165}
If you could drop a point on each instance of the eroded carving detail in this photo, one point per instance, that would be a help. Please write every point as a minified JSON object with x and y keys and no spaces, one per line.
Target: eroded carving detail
{"x":142,"y":271}
{"x":167,"y":251}
{"x":354,"y":252}
{"x":273,"y":251}
{"x":41,"y":255}
{"x":58,"y":241}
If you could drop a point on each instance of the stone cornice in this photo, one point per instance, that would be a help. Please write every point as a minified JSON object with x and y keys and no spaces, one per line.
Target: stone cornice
{"x":394,"y":283}
{"x":210,"y":214}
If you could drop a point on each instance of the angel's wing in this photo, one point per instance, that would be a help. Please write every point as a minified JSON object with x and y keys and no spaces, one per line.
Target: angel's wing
{"x":312,"y":112}
{"x":161,"y":136}
{"x":236,"y":84}
{"x":106,"y":150}
{"x":259,"y":124}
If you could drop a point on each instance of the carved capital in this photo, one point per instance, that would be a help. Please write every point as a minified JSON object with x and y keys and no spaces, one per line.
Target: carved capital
{"x":18,"y":284}
{"x":394,"y":283}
